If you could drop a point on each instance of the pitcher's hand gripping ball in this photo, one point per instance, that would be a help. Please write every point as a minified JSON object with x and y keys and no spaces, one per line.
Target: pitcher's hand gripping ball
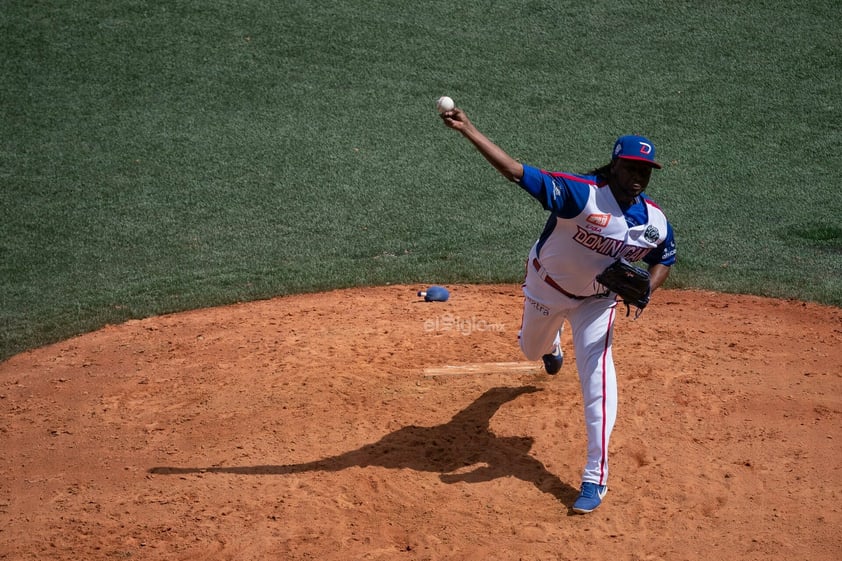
{"x":444,"y":104}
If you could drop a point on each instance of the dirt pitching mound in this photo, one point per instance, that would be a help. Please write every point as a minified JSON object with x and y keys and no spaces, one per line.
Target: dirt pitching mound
{"x":367,"y":424}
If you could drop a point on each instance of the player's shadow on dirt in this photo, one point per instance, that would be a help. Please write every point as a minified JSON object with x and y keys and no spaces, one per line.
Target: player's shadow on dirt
{"x":450,"y":449}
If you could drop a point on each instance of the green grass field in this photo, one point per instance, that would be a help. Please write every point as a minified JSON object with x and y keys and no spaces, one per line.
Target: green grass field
{"x":160,"y":156}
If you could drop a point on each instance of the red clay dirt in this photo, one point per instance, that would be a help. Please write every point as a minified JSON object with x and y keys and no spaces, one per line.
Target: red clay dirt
{"x":368,"y":424}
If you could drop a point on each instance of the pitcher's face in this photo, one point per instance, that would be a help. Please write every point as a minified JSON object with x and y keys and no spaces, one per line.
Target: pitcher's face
{"x":629,"y":178}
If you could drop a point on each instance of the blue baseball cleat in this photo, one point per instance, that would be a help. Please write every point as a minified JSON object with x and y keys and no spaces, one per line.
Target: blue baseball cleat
{"x":553,"y":361}
{"x":590,"y":497}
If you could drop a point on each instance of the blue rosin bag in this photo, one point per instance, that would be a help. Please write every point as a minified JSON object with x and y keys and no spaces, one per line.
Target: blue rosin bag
{"x":435,"y":294}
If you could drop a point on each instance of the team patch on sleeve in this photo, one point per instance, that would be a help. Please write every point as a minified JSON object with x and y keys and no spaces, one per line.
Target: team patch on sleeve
{"x":651,"y":235}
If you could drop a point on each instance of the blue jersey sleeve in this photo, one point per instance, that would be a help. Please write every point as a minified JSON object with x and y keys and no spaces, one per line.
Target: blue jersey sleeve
{"x":565,"y":195}
{"x":664,"y":254}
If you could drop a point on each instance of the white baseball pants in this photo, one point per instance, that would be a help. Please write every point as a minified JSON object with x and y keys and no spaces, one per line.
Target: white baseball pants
{"x":592,"y":325}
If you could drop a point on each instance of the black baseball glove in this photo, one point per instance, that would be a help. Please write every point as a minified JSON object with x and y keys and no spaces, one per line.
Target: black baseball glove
{"x":629,"y":282}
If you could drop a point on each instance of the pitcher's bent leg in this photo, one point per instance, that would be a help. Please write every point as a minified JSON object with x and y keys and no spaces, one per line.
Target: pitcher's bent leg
{"x":540,"y":329}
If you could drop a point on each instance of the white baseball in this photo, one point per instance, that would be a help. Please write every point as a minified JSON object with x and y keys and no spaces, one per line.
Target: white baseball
{"x":445,"y":104}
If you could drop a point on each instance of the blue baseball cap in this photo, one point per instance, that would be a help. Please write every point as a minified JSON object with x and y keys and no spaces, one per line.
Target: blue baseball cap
{"x":632,"y":147}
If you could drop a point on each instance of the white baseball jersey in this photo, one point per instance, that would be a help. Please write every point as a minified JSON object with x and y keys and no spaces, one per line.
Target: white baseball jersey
{"x":588,"y":230}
